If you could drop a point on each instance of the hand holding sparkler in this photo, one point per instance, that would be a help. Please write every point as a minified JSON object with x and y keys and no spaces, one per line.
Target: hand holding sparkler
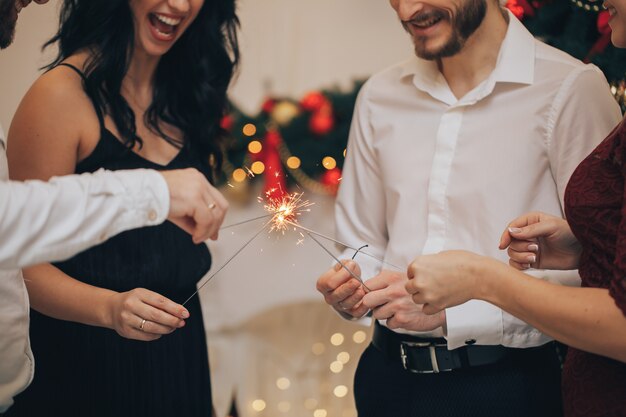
{"x":342,"y":290}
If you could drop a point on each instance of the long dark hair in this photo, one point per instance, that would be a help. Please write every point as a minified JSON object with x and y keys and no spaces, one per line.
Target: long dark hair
{"x":190,"y":82}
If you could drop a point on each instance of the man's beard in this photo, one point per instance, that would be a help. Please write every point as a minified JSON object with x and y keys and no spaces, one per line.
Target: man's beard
{"x":8,"y":19}
{"x":464,"y":23}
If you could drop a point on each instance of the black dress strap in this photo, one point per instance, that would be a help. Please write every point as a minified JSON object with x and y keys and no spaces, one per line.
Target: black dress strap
{"x":87,"y":91}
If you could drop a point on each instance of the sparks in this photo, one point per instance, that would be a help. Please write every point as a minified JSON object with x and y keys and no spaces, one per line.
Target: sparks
{"x":286,"y":209}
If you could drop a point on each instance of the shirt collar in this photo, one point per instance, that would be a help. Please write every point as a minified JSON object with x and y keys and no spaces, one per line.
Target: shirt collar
{"x":515,"y":64}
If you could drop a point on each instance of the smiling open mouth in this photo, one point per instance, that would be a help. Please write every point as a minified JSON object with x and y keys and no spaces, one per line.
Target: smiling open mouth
{"x":426,"y":23}
{"x":164,"y":26}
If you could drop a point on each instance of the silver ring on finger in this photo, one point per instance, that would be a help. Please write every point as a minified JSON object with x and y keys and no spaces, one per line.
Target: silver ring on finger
{"x":143,"y":323}
{"x":212,"y":206}
{"x":341,"y":306}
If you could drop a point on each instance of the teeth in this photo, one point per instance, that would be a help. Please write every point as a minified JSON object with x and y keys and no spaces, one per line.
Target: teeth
{"x":168,"y":20}
{"x":428,"y":23}
{"x":163,"y":33}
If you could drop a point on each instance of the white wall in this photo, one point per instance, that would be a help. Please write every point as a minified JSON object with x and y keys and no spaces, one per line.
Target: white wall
{"x":20,"y":62}
{"x":288,"y":47}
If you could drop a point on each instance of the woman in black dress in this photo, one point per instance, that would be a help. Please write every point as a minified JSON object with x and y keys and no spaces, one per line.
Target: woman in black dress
{"x":136,"y":84}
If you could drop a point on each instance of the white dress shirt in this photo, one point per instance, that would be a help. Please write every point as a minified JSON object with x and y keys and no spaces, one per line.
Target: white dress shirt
{"x":427,"y":172}
{"x":43,"y":222}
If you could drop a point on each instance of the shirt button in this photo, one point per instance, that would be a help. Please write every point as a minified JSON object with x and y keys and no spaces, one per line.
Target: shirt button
{"x":152,"y":215}
{"x":470,"y":341}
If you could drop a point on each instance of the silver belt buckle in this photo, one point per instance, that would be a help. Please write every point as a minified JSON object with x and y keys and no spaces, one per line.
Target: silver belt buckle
{"x":433,"y":357}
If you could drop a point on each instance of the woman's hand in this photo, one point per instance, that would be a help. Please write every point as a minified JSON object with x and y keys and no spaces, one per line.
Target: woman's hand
{"x":444,"y":280}
{"x":142,"y":314}
{"x":540,"y":241}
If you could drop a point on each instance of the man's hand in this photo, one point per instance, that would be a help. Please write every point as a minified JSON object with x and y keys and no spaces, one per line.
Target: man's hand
{"x":390,"y":301}
{"x":342,"y":291}
{"x":195,"y":205}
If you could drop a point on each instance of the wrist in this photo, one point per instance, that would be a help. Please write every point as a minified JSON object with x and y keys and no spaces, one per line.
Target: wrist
{"x":483,"y":270}
{"x":107,"y":310}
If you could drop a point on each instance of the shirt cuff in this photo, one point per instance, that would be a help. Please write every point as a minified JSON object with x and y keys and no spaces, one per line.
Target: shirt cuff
{"x":146,"y":191}
{"x":475,"y":322}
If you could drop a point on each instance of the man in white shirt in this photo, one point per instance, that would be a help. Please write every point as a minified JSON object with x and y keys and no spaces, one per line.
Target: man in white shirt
{"x":484,"y":124}
{"x":43,"y":222}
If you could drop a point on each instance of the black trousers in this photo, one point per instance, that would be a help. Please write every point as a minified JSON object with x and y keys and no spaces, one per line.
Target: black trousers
{"x":527,"y":384}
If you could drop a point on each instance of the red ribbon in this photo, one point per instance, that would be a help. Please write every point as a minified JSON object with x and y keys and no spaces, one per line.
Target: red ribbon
{"x":275,"y":186}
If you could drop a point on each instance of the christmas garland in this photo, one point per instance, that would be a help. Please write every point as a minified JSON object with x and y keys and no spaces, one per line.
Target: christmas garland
{"x":291,"y":142}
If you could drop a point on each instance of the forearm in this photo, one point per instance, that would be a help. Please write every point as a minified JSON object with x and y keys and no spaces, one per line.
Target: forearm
{"x":44,"y":222}
{"x":60,"y":296}
{"x":585,"y":318}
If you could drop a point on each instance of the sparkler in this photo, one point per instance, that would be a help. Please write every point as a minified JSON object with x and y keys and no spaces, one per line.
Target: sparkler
{"x":228,"y":261}
{"x":284,"y":213}
{"x":246,"y":221}
{"x":358,"y":250}
{"x":286,"y":210}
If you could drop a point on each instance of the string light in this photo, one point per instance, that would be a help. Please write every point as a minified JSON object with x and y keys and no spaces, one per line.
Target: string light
{"x":257,"y":167}
{"x":336,"y":367}
{"x":255,"y":147}
{"x":340,"y":391}
{"x":336,"y":339}
{"x":283,"y":383}
{"x":343,"y":357}
{"x":258,"y":405}
{"x":239,"y":175}
{"x":249,"y":130}
{"x":293,"y":162}
{"x":359,"y":336}
{"x":320,"y":412}
{"x":329,"y":162}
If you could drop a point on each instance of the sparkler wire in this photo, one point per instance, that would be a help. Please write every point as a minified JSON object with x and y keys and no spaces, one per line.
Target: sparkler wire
{"x":343,"y":244}
{"x":228,"y":261}
{"x":246,"y":221}
{"x":338,"y":261}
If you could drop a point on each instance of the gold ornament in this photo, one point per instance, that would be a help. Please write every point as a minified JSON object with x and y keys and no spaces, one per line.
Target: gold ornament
{"x":284,"y":112}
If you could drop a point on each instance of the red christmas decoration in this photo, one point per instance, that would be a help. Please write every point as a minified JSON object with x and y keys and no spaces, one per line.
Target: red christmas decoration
{"x":322,"y":121}
{"x":313,"y":101}
{"x":227,"y":122}
{"x":275,"y":186}
{"x":522,"y":8}
{"x":268,"y":105}
{"x":605,"y":36}
{"x":332,"y":178}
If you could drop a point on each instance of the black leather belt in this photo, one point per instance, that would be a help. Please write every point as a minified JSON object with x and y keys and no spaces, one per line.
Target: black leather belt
{"x":428,"y":355}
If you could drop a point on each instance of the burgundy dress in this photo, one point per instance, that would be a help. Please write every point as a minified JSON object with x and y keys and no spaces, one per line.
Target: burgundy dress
{"x":596,"y":211}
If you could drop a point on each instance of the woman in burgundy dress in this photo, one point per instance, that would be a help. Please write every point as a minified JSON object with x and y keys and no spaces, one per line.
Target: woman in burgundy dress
{"x":591,"y":319}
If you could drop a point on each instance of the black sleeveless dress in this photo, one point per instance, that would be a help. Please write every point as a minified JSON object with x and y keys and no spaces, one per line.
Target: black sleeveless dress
{"x":84,"y":371}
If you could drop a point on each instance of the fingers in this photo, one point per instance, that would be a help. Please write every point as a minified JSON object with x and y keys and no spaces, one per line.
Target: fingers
{"x":431,"y":309}
{"x":341,"y":290}
{"x":332,"y":279}
{"x":514,"y":228}
{"x":142,"y":314}
{"x":149,"y":327}
{"x":523,"y":254}
{"x":195,"y":205}
{"x":218,"y":206}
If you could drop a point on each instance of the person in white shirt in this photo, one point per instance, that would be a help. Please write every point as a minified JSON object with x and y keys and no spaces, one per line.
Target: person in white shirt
{"x":484,"y":124}
{"x":51,"y":221}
